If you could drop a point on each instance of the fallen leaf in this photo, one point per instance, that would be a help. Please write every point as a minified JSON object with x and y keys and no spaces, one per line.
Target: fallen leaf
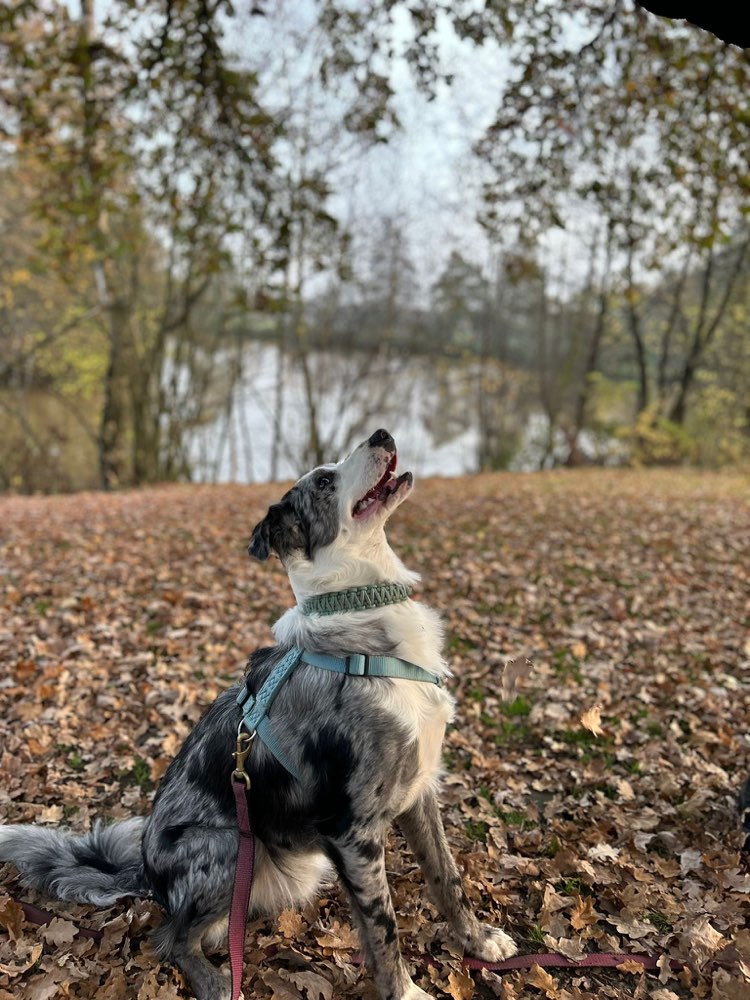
{"x":542,"y":981}
{"x":460,"y":985}
{"x":737,"y":881}
{"x":631,"y":927}
{"x":514,"y":671}
{"x":603,"y":852}
{"x":290,"y":924}
{"x":690,"y":861}
{"x":702,"y":941}
{"x":338,"y":936}
{"x":571,"y":948}
{"x":129,"y":613}
{"x":631,"y":966}
{"x":11,"y":916}
{"x":58,"y":932}
{"x":47,"y":987}
{"x":314,"y":985}
{"x":664,"y":965}
{"x":625,"y":790}
{"x":726,"y":986}
{"x":583,"y":913}
{"x":51,"y":814}
{"x":27,"y":956}
{"x":280,"y":990}
{"x":591,"y":720}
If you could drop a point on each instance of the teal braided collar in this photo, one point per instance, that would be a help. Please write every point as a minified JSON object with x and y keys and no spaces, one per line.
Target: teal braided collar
{"x":375,"y":595}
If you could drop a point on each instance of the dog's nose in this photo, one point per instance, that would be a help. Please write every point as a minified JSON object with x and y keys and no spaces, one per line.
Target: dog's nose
{"x":382,"y":439}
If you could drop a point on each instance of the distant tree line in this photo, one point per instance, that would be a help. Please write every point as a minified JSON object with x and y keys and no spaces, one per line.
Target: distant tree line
{"x":166,"y":197}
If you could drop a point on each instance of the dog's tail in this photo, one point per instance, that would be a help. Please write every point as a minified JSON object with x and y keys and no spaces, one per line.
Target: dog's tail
{"x":99,"y":867}
{"x":744,"y":807}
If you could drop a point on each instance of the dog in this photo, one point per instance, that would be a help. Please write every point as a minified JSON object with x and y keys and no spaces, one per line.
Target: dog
{"x":368,"y":750}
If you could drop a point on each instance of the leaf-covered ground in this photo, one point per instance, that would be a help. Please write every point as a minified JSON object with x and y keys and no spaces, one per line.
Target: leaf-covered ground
{"x":123,"y":616}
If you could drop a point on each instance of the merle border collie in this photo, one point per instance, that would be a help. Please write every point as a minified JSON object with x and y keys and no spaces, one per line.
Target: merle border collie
{"x":368,"y":750}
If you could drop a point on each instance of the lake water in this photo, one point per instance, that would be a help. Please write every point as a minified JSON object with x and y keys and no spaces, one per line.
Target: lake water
{"x":353,"y":396}
{"x":428,"y":404}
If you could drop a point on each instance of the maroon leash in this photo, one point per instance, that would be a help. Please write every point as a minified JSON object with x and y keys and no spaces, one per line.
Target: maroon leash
{"x":547,"y":960}
{"x":550,"y":960}
{"x":245,"y":865}
{"x":43,"y":917}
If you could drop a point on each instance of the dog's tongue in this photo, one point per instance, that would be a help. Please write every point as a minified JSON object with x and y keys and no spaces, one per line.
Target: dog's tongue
{"x":372,"y":500}
{"x":377,"y":496}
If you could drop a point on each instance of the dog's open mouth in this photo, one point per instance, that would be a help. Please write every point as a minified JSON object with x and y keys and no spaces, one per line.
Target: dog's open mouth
{"x":381,"y":492}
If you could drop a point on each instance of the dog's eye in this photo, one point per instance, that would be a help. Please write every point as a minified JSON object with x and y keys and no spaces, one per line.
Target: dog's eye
{"x":323,"y":481}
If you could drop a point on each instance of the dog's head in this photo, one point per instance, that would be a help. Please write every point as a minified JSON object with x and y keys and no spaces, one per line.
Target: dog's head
{"x":349,"y":502}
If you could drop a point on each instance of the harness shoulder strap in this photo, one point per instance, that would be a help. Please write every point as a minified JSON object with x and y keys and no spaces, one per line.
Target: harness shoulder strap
{"x":268,"y":737}
{"x":255,"y":708}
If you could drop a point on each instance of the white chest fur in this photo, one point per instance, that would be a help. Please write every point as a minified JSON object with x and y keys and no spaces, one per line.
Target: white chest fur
{"x":427,"y":712}
{"x":410,"y":631}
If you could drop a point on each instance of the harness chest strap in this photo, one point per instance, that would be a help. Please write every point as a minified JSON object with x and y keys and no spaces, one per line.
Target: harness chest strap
{"x":255,"y":708}
{"x":368,"y":665}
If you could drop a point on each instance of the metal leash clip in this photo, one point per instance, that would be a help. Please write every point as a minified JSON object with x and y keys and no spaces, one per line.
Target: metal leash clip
{"x":241,"y":753}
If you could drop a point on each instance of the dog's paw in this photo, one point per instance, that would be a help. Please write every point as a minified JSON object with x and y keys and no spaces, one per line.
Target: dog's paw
{"x":414,"y":993}
{"x":491,"y":945}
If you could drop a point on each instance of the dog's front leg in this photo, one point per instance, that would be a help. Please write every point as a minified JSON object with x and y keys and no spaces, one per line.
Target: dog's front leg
{"x":360,"y":862}
{"x":423,"y":828}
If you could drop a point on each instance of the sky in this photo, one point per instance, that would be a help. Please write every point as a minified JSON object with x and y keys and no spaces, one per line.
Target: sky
{"x":425,"y":177}
{"x":428,"y":174}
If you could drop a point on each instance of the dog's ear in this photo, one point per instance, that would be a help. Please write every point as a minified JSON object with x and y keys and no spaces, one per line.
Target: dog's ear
{"x":280,"y":531}
{"x":260,"y":543}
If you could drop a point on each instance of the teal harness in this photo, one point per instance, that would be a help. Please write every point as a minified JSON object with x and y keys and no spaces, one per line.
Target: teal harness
{"x":255,"y":708}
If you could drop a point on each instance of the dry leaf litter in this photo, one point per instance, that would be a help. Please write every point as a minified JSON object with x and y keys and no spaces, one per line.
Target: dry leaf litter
{"x":599,"y":633}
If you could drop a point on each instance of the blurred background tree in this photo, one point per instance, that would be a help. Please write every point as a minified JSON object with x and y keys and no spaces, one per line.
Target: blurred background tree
{"x":644,"y":133}
{"x":234,"y":238}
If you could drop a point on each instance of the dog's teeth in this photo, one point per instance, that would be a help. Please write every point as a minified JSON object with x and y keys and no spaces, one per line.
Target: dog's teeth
{"x":364,"y":504}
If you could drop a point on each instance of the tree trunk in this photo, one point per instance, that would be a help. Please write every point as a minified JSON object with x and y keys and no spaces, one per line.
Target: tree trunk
{"x":483,"y":448}
{"x":314,"y":447}
{"x":592,"y":358}
{"x":547,"y":394}
{"x":666,"y":340}
{"x":701,"y":340}
{"x":112,"y":460}
{"x":113,"y":466}
{"x":677,"y":413}
{"x":145,"y":418}
{"x":634,"y":325}
{"x":592,"y":355}
{"x":278,"y":412}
